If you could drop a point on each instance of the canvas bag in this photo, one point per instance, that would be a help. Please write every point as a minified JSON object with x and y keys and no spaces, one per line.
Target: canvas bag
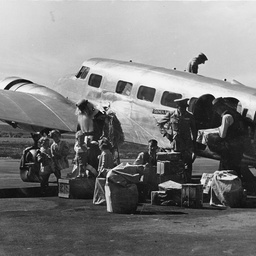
{"x":226,"y":189}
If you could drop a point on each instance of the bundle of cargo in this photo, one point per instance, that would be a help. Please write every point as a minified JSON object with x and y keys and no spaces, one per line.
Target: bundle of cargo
{"x":170,"y":167}
{"x":173,"y":193}
{"x":169,"y":194}
{"x":226,"y":190}
{"x":120,"y":190}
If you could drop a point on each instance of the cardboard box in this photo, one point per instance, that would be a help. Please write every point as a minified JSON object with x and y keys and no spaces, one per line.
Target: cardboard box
{"x":172,"y":190}
{"x":171,"y":170}
{"x":180,"y":178}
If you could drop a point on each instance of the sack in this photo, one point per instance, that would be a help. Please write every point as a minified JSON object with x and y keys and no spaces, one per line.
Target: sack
{"x":121,"y":191}
{"x":124,"y":174}
{"x":121,"y":199}
{"x":226,"y":190}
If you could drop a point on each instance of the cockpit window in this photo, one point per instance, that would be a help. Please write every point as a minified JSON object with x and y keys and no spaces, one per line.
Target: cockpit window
{"x":83,"y":72}
{"x":95,"y":80}
{"x":146,"y":93}
{"x":168,"y":99}
{"x":124,"y":88}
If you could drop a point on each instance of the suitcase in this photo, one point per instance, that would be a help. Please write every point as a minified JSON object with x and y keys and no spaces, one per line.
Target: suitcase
{"x":168,"y":156}
{"x":82,"y":188}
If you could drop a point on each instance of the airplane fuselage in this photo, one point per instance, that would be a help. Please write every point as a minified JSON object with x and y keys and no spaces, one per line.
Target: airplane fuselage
{"x":99,"y":80}
{"x":161,"y":79}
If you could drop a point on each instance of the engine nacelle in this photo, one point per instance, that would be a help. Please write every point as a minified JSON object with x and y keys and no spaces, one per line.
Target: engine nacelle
{"x":26,"y":86}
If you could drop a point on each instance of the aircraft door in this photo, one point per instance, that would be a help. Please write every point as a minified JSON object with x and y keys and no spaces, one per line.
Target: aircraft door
{"x":203,"y":112}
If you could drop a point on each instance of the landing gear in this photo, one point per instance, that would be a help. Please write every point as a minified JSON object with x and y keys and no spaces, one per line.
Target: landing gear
{"x":29,"y":166}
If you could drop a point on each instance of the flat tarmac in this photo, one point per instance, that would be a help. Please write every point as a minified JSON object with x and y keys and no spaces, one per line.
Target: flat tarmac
{"x":35,"y":225}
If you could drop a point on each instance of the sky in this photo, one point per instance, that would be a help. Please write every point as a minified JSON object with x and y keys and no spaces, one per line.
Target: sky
{"x":45,"y":40}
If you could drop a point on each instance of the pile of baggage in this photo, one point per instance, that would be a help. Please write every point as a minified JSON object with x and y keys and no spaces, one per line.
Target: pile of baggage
{"x":126,"y":185}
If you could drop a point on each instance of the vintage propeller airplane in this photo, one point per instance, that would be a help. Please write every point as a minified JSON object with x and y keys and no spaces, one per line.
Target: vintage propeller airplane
{"x":138,"y":94}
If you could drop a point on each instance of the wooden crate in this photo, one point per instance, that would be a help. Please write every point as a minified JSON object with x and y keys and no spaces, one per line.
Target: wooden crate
{"x":192,"y":195}
{"x":82,"y":188}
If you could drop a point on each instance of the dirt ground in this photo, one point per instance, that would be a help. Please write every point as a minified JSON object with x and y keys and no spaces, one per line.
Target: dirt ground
{"x":35,"y":225}
{"x":57,"y":226}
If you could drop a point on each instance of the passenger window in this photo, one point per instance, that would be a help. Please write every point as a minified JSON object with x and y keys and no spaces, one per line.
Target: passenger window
{"x":168,"y":99}
{"x":146,"y":93}
{"x":124,"y":88}
{"x":83,"y":72}
{"x":95,"y":80}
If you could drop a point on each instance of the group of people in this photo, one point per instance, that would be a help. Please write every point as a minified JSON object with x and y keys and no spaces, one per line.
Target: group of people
{"x":94,"y":151}
{"x":44,"y":158}
{"x":228,"y":139}
{"x":82,"y":163}
{"x":92,"y":157}
{"x":94,"y":154}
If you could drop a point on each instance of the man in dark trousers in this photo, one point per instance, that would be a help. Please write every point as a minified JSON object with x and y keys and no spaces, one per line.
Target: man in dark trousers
{"x":193,"y":64}
{"x":148,"y":160}
{"x":182,"y":133}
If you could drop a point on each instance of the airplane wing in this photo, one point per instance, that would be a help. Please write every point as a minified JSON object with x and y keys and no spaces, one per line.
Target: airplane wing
{"x":35,"y":112}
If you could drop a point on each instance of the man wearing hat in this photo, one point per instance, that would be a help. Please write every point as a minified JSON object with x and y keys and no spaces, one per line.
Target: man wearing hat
{"x":232,"y":133}
{"x":193,"y":64}
{"x":180,"y":128}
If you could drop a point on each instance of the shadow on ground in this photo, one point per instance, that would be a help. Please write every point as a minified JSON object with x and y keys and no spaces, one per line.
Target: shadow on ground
{"x":28,"y":192}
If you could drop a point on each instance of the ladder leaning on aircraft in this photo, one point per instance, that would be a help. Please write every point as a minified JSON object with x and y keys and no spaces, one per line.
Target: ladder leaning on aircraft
{"x":138,"y":94}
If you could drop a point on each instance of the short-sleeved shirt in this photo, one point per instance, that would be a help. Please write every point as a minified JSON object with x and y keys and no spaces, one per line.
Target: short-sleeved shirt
{"x":226,"y":122}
